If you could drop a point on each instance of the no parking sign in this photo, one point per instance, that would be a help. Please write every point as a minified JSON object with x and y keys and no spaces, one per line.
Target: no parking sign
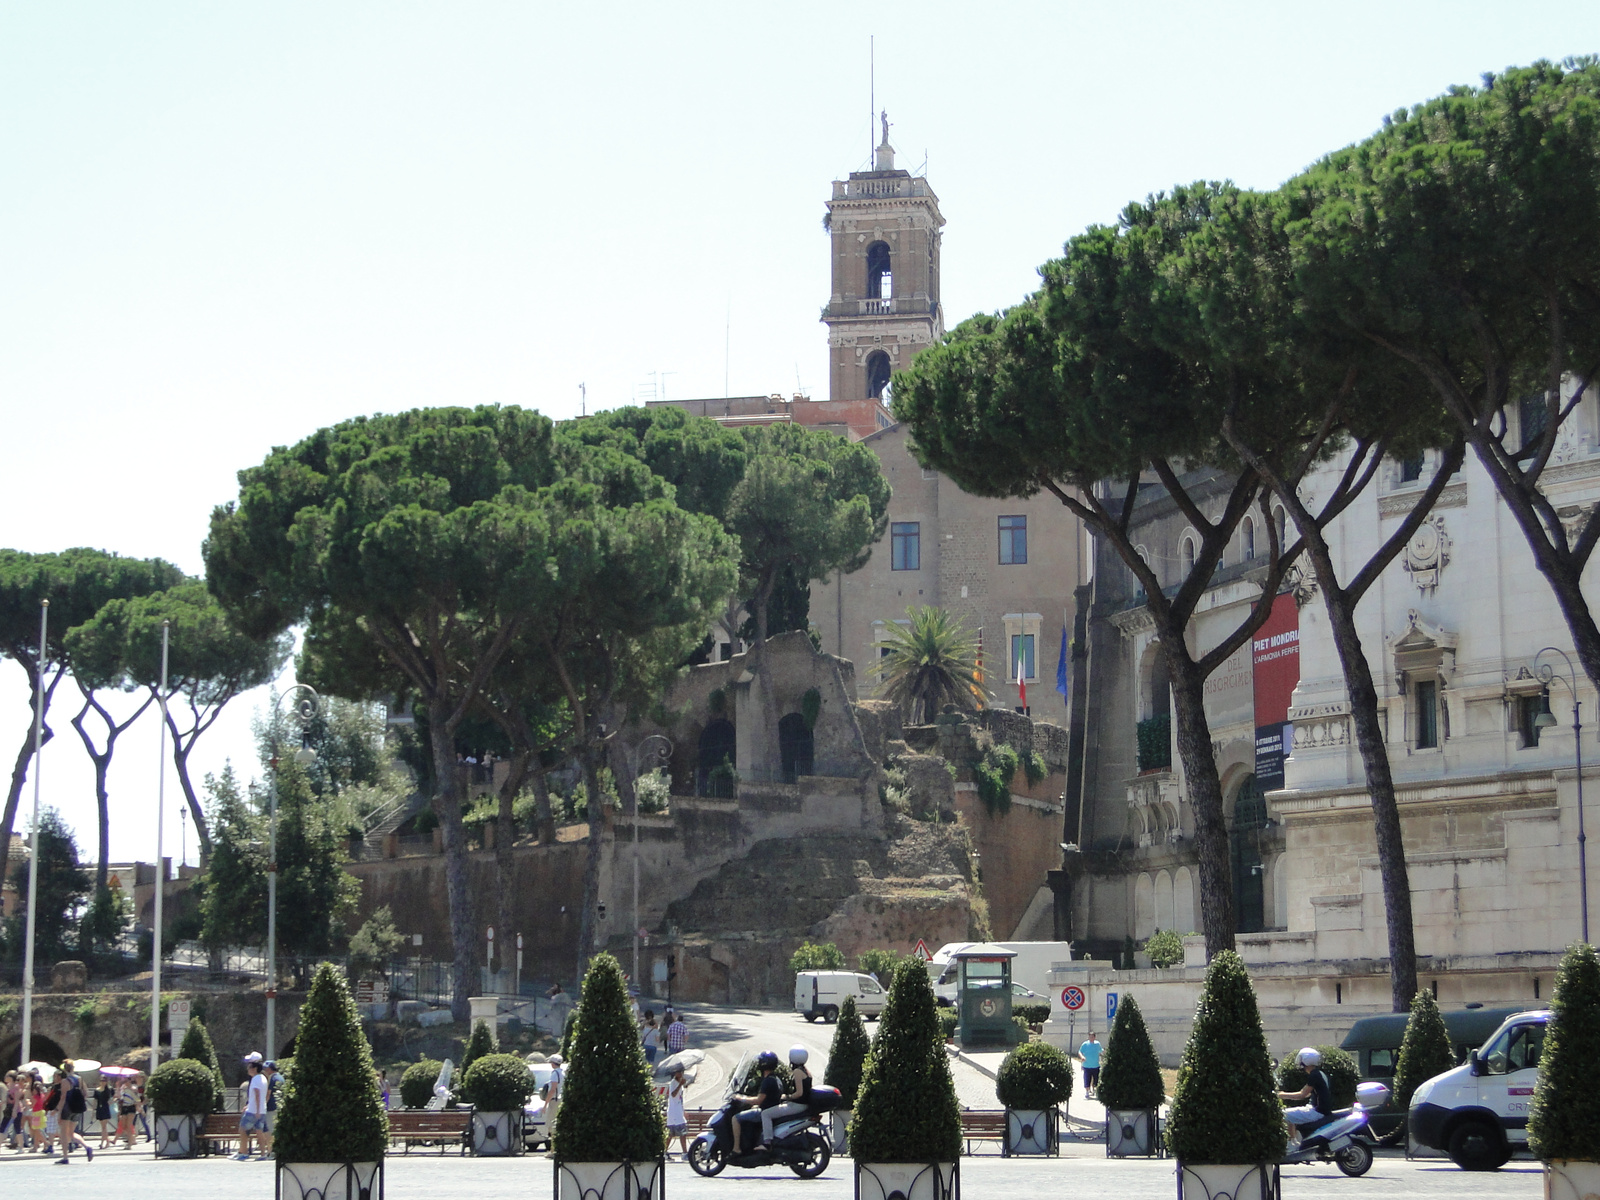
{"x":1072,"y":997}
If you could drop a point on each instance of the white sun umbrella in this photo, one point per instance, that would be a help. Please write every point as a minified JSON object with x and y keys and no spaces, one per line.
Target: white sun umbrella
{"x":687,"y":1059}
{"x":45,"y":1070}
{"x":85,"y":1065}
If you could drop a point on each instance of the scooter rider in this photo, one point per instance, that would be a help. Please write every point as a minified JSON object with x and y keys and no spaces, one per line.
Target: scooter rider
{"x":797,"y":1101}
{"x":769,"y":1091}
{"x":1317,"y":1090}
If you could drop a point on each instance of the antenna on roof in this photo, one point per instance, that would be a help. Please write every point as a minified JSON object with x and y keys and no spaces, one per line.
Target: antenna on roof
{"x":872,"y":90}
{"x":583,"y":399}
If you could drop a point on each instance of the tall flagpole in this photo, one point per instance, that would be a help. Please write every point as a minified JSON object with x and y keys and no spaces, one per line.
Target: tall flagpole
{"x":161,"y":881}
{"x":26,"y":1052}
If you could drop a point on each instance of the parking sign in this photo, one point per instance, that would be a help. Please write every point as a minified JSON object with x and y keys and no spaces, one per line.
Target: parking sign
{"x":1111,"y":1007}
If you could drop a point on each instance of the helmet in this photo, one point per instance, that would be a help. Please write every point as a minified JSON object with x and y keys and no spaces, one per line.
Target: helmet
{"x":1309,"y":1057}
{"x":798,"y":1055}
{"x":768,"y":1061}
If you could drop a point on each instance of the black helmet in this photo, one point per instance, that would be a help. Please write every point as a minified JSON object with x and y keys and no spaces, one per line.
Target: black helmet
{"x":768,"y":1061}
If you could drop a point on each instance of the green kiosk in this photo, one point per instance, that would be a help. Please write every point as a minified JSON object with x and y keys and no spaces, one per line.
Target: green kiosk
{"x":983,"y":996}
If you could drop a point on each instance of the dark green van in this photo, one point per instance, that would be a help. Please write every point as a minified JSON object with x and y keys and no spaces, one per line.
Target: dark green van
{"x":1374,"y":1042}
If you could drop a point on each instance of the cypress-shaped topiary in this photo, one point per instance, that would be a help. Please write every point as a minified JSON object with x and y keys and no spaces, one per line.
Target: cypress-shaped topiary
{"x":608,"y":1110}
{"x":1564,"y":1122}
{"x":1337,"y":1065}
{"x":1033,"y":1077}
{"x":906,"y":1110}
{"x":848,"y":1054}
{"x":1130,"y":1075}
{"x":481,"y":1042}
{"x":416,"y":1085}
{"x":197,"y":1045}
{"x":331,"y":1109}
{"x":1425,"y":1051}
{"x":1225,"y":1108}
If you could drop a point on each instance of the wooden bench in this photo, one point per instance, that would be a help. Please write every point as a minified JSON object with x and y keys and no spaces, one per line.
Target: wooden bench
{"x":983,"y":1125}
{"x":218,"y":1132}
{"x":414,"y":1125}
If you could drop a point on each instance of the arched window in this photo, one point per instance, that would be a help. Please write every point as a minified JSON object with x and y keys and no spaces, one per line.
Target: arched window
{"x":877,"y":373}
{"x":1144,"y":907}
{"x":880,"y":278}
{"x":1186,"y":557}
{"x":1281,"y":519}
{"x":1247,"y":540}
{"x":1164,"y":914}
{"x":1183,"y":901}
{"x":795,"y":747}
{"x":1249,"y":892}
{"x":717,"y":760}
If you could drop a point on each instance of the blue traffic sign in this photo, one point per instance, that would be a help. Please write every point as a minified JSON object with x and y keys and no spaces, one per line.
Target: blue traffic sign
{"x":1111,"y":1006}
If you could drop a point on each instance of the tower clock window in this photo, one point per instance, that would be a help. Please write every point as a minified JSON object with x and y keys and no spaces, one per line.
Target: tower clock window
{"x":880,"y":276}
{"x":877,"y":373}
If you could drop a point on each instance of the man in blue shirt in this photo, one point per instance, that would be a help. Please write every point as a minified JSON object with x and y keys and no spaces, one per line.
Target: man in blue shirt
{"x":1090,"y":1053}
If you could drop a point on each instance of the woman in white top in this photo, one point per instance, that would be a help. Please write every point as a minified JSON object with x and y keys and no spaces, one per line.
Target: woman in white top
{"x":651,"y":1036}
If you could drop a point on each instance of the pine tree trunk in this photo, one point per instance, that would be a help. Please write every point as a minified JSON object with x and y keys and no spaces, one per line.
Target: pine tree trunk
{"x":505,"y":837}
{"x":19,"y":771}
{"x":541,"y":804}
{"x":1203,"y":787}
{"x":447,"y":806}
{"x":589,"y":937}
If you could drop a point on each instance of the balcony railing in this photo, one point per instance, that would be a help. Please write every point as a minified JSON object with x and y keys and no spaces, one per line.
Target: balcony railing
{"x":899,"y":306}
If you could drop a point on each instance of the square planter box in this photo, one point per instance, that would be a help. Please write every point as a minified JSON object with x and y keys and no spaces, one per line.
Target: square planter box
{"x":908,"y":1181}
{"x":177,"y":1137}
{"x":1132,"y":1133}
{"x":1571,"y":1179}
{"x":1216,"y":1181}
{"x":611,"y":1180}
{"x":496,"y":1133}
{"x":1031,"y":1131}
{"x":328,"y":1181}
{"x":839,"y":1130}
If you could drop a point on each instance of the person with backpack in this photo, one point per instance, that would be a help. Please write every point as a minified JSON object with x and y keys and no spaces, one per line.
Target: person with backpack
{"x":253,"y":1115}
{"x":71,"y":1104}
{"x":274,"y":1086}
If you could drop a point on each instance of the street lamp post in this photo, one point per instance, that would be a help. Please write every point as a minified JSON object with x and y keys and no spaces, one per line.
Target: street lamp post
{"x":161,"y":874}
{"x":660,"y":754}
{"x":33,"y":838}
{"x":305,"y":709}
{"x":1545,"y":720}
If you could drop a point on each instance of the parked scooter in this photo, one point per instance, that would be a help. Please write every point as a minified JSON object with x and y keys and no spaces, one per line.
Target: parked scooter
{"x":1346,"y":1140}
{"x":799,"y":1142}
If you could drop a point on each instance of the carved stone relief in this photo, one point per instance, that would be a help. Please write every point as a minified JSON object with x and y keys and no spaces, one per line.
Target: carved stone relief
{"x":1427,"y":553}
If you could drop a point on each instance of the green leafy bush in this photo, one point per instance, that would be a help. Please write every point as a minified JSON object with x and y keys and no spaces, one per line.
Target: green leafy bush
{"x":1130,"y":1073}
{"x":1033,"y":1077}
{"x":848,"y":1054}
{"x":499,"y":1083}
{"x":1565,"y":1118}
{"x":882,"y":963}
{"x":949,"y":1018}
{"x":608,"y":1110}
{"x":1033,"y":767}
{"x":813,"y":956}
{"x":331,"y":1109}
{"x":1425,"y":1051}
{"x":374,"y":945}
{"x":653,"y":790}
{"x":1338,"y":1066}
{"x":197,"y":1045}
{"x":481,"y":1042}
{"x":906,"y":1110}
{"x":993,"y":774}
{"x":1165,"y":948}
{"x":181,"y":1087}
{"x":1226,"y":1108}
{"x":1031,"y":1014}
{"x":416,"y":1085}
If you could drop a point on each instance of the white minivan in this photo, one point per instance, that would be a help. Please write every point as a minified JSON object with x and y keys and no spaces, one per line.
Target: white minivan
{"x":822,"y":993}
{"x":1478,"y":1112}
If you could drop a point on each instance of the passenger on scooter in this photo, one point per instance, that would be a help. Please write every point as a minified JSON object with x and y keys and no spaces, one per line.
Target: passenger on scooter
{"x":1306,"y":1117}
{"x":769,"y":1091}
{"x":796,"y":1102}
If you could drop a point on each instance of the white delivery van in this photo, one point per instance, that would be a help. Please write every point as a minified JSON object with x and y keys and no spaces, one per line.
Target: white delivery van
{"x":822,"y":993}
{"x":1030,"y":970}
{"x":1478,"y":1112}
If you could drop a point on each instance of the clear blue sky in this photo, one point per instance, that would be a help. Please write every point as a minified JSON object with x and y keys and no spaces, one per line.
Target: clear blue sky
{"x":224,"y":225}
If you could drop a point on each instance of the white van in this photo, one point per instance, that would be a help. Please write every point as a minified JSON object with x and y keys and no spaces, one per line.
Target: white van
{"x":822,"y":993}
{"x":1478,"y":1112}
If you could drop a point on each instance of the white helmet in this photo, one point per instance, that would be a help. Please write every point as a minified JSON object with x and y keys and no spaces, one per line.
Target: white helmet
{"x":1309,"y":1057}
{"x":798,"y":1056}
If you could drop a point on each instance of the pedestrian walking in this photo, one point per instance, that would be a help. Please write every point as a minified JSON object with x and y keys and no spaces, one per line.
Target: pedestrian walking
{"x":71,"y":1105}
{"x":127,"y":1113}
{"x":677,"y":1035}
{"x":677,"y":1121}
{"x":651,"y":1037}
{"x":253,"y":1115}
{"x":552,"y":1097}
{"x":103,"y":1096}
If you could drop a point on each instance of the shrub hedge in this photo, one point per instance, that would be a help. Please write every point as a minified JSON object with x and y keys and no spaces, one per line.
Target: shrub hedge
{"x":1342,"y":1072}
{"x":181,"y":1087}
{"x":848,"y":1054}
{"x":331,"y":1109}
{"x":416,"y":1085}
{"x":906,"y":1110}
{"x":197,"y":1045}
{"x":1225,"y":1108}
{"x":1035,"y":1076}
{"x":499,"y":1083}
{"x":1565,"y":1118}
{"x":1130,"y":1073}
{"x":1425,"y":1051}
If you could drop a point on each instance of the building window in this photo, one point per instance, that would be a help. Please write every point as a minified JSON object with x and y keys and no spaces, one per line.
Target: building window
{"x":1533,"y":417}
{"x":905,"y":542}
{"x":1247,"y":540}
{"x":1281,"y":520}
{"x":1186,"y":557}
{"x":1411,"y":469}
{"x":1529,"y":710}
{"x":1013,"y":541}
{"x":880,"y":278}
{"x":1022,"y":649}
{"x":877,"y":374}
{"x":1427,"y":694}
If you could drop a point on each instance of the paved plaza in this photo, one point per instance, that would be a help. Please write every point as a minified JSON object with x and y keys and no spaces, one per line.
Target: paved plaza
{"x":1082,"y":1170}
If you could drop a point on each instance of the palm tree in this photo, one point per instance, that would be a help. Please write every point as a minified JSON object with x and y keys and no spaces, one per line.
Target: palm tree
{"x":931,"y":662}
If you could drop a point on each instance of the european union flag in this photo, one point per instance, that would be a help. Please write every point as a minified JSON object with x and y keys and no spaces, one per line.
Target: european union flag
{"x":1061,"y":667}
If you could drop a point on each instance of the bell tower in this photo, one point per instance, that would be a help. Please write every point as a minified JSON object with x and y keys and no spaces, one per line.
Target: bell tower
{"x":885,"y":304}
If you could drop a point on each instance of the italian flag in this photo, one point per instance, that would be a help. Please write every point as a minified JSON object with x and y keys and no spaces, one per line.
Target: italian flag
{"x":1022,"y":682}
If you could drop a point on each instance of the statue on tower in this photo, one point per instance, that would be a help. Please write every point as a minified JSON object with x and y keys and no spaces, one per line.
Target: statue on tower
{"x":884,"y":116}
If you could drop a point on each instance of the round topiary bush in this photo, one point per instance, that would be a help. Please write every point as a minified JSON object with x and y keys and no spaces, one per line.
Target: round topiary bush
{"x":1130,"y":1074}
{"x":1564,"y":1122}
{"x":848,"y":1054}
{"x":1034,"y":1077}
{"x":1338,"y":1066}
{"x":608,"y":1110}
{"x":331,"y":1109}
{"x":197,"y":1045}
{"x":499,"y":1083}
{"x":906,"y":1110}
{"x":1226,"y":1108}
{"x":181,"y":1087}
{"x":1425,"y":1051}
{"x":416,"y":1085}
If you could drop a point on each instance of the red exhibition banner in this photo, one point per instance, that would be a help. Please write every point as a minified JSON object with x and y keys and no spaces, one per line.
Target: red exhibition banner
{"x":1275,"y":673}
